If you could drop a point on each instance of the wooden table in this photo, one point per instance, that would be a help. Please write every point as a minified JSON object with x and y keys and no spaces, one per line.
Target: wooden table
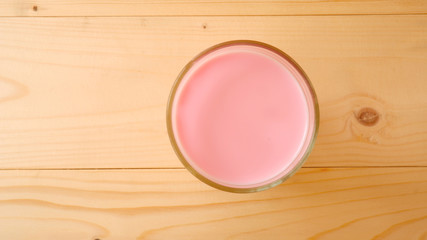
{"x":84,"y":152}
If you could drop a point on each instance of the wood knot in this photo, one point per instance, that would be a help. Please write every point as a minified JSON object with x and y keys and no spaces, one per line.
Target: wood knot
{"x":368,"y":116}
{"x":204,"y":25}
{"x":35,"y":8}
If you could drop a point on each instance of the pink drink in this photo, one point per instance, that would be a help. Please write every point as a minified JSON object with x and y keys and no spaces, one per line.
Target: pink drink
{"x":243,"y":116}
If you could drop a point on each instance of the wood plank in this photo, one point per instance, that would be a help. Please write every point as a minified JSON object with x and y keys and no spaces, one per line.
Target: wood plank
{"x":92,"y":92}
{"x":206,"y":7}
{"x":359,"y":203}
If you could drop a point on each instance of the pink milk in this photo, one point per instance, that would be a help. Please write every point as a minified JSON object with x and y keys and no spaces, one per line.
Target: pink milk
{"x":243,"y":116}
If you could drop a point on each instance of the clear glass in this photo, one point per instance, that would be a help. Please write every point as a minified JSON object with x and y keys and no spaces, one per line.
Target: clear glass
{"x":310,"y":96}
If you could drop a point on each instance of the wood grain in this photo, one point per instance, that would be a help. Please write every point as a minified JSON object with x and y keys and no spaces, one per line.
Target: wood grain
{"x":157,"y":204}
{"x":206,"y":7}
{"x":84,"y":85}
{"x":92,"y":92}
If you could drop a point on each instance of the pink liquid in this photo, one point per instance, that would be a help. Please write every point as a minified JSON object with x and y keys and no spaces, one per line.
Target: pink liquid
{"x":240,"y":116}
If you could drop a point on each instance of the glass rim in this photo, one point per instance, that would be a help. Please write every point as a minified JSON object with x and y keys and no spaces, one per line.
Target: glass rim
{"x":173,"y":140}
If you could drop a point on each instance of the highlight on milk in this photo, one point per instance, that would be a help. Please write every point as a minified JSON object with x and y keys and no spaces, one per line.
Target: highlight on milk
{"x":242,"y":116}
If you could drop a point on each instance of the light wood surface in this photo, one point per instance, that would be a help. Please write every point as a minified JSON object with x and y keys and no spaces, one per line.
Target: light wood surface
{"x":171,"y":204}
{"x":92,"y":92}
{"x":84,"y":153}
{"x":206,"y":7}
